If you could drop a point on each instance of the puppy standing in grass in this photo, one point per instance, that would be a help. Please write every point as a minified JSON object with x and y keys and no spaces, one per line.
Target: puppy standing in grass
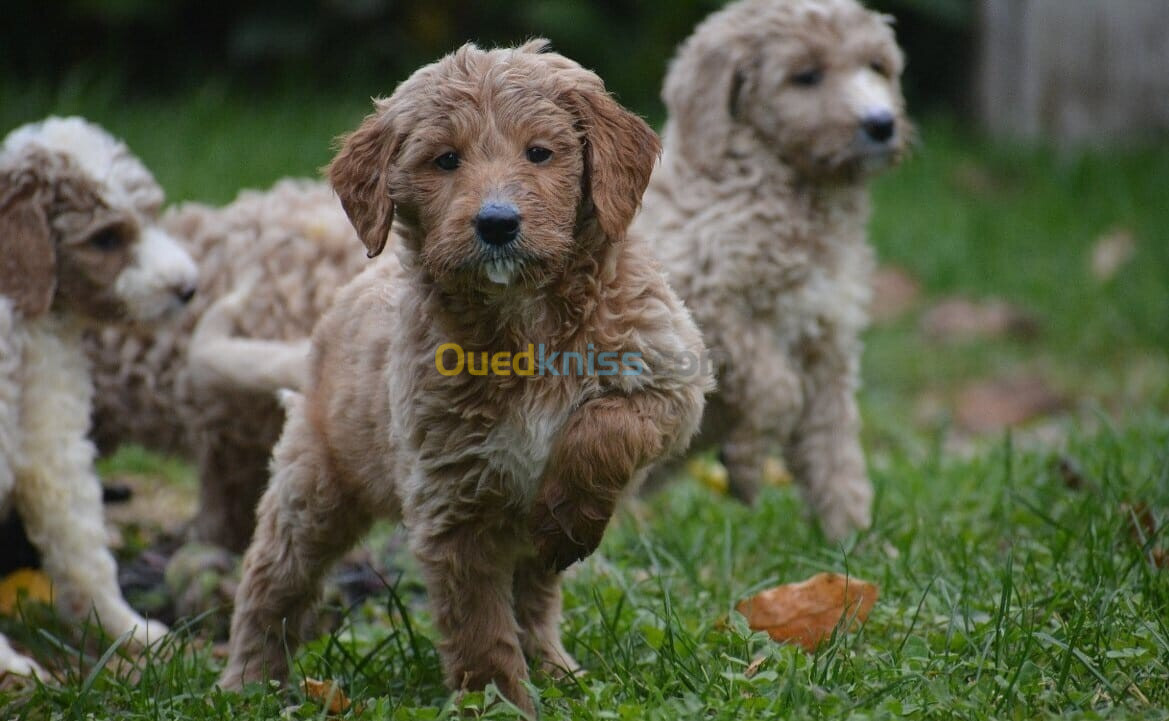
{"x":779,"y":113}
{"x":513,"y":176}
{"x":79,"y":247}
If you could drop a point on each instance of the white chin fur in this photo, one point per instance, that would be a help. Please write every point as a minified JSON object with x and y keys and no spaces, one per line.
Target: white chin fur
{"x":161,"y":269}
{"x":501,"y":270}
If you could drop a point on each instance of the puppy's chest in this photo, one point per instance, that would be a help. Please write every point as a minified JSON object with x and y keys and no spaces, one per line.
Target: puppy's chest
{"x":493,"y":446}
{"x":517,"y":449}
{"x":813,"y":284}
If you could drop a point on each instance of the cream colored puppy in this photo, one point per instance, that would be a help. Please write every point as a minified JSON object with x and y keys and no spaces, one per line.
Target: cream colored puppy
{"x":79,"y":246}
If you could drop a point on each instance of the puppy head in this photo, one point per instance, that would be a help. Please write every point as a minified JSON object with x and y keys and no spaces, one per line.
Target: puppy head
{"x":815,"y":82}
{"x":77,"y":228}
{"x":500,"y":165}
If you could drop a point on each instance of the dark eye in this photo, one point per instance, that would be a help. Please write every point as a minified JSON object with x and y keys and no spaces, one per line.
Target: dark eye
{"x":808,"y":78}
{"x":879,"y":68}
{"x":447,"y":161}
{"x":107,"y":239}
{"x":538,"y":155}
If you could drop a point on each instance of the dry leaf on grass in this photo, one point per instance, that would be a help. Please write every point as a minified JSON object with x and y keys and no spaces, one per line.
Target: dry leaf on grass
{"x":972,"y":178}
{"x":327,"y":693}
{"x":1110,"y":253}
{"x":1143,"y":526}
{"x":713,"y":474}
{"x":894,"y":292}
{"x":806,"y":613}
{"x":1074,"y":478}
{"x":988,"y":406}
{"x":775,"y":473}
{"x":709,"y":473}
{"x":32,"y":585}
{"x":960,"y":320}
{"x":754,"y":666}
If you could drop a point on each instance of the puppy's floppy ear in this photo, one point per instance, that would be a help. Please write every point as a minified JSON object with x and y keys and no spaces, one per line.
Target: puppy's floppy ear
{"x":703,"y":95}
{"x":28,"y":261}
{"x":620,"y":153}
{"x":359,"y":176}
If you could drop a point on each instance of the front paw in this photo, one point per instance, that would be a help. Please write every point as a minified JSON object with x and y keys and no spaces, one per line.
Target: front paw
{"x":565,"y":530}
{"x":847,"y":508}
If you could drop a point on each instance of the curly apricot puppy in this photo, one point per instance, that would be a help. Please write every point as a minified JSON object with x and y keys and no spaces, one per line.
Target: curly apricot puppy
{"x":497,"y":382}
{"x":780,"y":113}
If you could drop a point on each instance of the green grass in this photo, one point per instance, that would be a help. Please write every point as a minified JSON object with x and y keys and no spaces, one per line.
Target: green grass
{"x":1004,"y":593}
{"x":211,"y":144}
{"x":1018,"y":223}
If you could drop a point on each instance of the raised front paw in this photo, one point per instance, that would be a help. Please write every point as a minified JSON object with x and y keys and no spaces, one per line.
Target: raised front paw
{"x":566,"y":529}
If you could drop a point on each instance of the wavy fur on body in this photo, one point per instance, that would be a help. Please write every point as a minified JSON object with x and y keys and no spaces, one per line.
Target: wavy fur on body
{"x":79,"y":247}
{"x":779,"y":112}
{"x":270,"y":263}
{"x":501,"y":480}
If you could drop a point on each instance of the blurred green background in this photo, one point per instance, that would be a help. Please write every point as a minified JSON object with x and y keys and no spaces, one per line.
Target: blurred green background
{"x":151,"y":48}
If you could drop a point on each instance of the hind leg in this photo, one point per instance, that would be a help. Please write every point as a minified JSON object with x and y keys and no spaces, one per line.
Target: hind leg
{"x":306,"y":520}
{"x":232,"y":477}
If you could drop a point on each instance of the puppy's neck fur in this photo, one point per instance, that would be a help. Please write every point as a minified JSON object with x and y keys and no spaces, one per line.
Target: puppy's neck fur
{"x":510,"y":317}
{"x":752,"y":169}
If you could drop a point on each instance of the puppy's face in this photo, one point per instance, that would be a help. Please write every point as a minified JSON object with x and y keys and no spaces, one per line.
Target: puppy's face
{"x":818,"y":81}
{"x":830,"y":99}
{"x":77,"y":225}
{"x":496,"y":164}
{"x":493,"y":186}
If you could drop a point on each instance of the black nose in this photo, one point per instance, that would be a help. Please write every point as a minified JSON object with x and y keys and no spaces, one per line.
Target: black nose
{"x":185,"y":294}
{"x":497,"y":224}
{"x":879,"y":126}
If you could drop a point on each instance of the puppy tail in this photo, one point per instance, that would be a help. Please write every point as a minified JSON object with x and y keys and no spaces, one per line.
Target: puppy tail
{"x":219,"y":359}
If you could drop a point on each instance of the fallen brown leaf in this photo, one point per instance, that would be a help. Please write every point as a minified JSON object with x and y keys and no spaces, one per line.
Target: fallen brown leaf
{"x":754,"y":666}
{"x":1142,"y":525}
{"x":988,"y":406}
{"x":1111,"y":252}
{"x":775,"y":473}
{"x":806,"y":613}
{"x":327,"y":693}
{"x":1073,"y":476}
{"x":960,"y":320}
{"x":894,"y":292}
{"x":974,"y":179}
{"x":709,"y":473}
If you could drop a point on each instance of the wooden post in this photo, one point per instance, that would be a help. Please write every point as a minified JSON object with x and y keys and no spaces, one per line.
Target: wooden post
{"x":1074,"y":70}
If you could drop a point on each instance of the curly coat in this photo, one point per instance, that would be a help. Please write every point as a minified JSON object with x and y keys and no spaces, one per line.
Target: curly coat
{"x":501,"y":480}
{"x":270,"y":263}
{"x":779,"y":113}
{"x":79,"y":247}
